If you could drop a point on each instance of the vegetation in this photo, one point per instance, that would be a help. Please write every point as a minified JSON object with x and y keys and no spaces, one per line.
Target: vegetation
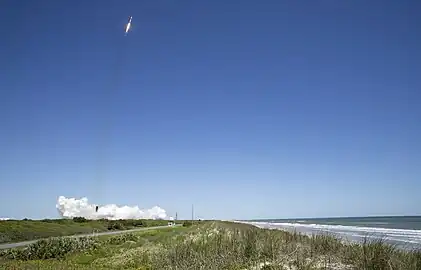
{"x":187,"y":223}
{"x":209,"y":245}
{"x":52,"y":248}
{"x":23,"y":230}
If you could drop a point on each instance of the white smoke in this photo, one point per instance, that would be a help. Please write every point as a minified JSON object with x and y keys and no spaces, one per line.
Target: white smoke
{"x":71,"y":207}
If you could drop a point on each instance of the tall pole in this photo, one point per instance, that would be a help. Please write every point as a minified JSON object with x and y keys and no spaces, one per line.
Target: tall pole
{"x":192,"y":213}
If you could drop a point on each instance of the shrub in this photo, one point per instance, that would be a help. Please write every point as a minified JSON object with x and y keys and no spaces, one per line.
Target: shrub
{"x":52,"y":248}
{"x":122,"y":238}
{"x":187,"y":223}
{"x":137,"y":223}
{"x":115,"y":225}
{"x":79,"y":219}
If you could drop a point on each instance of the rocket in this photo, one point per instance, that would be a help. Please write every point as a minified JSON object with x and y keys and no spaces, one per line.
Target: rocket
{"x":129,"y":23}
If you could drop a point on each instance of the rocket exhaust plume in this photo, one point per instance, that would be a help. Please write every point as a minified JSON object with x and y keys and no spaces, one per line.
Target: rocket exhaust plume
{"x":72,"y":207}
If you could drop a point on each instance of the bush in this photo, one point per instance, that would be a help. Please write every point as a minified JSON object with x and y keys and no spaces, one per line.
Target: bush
{"x":187,"y":223}
{"x":115,"y":225}
{"x":122,"y":238}
{"x":79,"y":219}
{"x":136,"y":223}
{"x":46,"y":220}
{"x":52,"y":248}
{"x":124,"y":224}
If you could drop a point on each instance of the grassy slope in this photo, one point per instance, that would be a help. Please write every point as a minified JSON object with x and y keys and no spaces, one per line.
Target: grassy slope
{"x":23,"y":230}
{"x":212,"y":245}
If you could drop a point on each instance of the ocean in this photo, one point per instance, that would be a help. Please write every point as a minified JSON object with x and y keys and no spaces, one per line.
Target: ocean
{"x":403,"y":232}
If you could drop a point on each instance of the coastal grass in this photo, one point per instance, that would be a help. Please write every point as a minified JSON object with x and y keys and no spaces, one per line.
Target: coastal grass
{"x":210,"y":245}
{"x":24,"y":230}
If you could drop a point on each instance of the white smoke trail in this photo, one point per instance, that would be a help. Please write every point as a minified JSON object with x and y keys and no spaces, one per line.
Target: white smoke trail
{"x":71,"y":207}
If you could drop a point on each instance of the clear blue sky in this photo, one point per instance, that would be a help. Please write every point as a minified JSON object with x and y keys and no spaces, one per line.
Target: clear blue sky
{"x":248,"y":109}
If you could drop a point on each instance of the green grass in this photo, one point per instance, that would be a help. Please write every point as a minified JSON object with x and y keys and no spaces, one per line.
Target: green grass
{"x":210,"y":245}
{"x":23,"y":230}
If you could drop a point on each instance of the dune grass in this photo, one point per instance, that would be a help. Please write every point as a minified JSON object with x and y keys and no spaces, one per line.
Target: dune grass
{"x":23,"y":230}
{"x":210,"y":245}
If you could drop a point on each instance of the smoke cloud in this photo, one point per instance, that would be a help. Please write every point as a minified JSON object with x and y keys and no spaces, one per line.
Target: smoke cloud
{"x":72,"y":207}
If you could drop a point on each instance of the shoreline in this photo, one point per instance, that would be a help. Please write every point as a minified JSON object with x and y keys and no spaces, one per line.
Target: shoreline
{"x":210,"y":245}
{"x":401,"y":238}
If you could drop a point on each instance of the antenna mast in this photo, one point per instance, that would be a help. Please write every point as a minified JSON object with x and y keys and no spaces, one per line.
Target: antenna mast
{"x":192,"y":213}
